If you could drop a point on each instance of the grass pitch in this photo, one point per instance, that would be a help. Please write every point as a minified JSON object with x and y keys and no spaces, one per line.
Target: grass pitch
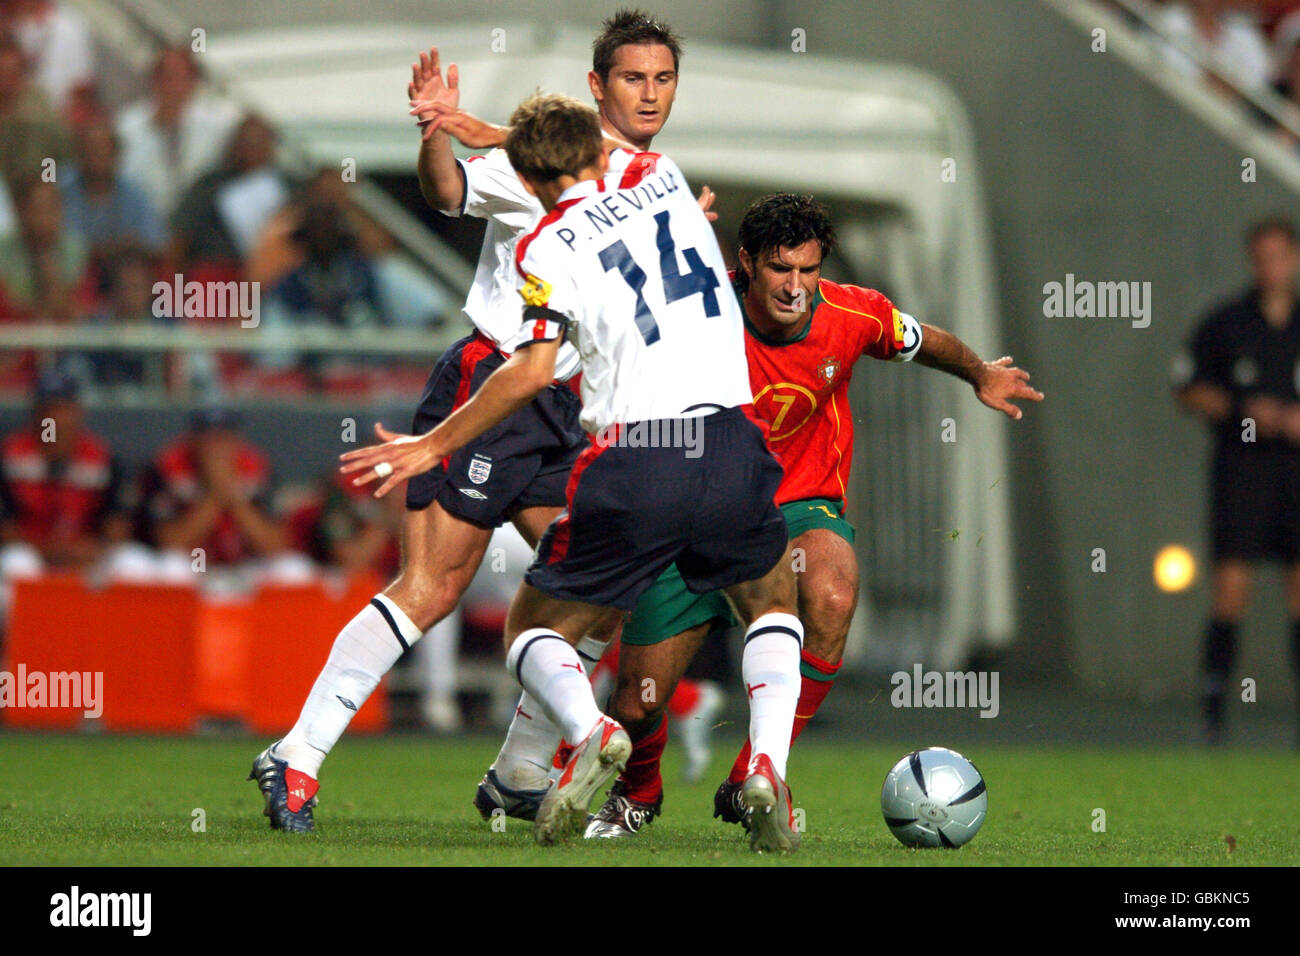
{"x":72,"y":800}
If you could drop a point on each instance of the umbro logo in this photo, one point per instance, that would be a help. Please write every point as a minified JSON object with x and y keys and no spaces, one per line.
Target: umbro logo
{"x":473,"y":493}
{"x":347,"y":703}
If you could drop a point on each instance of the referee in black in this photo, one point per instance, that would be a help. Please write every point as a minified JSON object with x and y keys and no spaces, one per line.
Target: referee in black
{"x":1243,"y":377}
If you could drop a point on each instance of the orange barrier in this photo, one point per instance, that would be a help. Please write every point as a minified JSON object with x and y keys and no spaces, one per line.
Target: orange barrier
{"x":222,"y":657}
{"x":139,"y":640}
{"x":168,"y":656}
{"x":293,"y":629}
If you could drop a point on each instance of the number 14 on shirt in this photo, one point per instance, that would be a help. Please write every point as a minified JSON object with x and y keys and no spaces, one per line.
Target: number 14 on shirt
{"x":700,"y":279}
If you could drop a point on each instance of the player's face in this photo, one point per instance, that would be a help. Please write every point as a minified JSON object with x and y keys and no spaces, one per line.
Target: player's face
{"x":782,"y":282}
{"x":637,"y":97}
{"x":1275,"y":260}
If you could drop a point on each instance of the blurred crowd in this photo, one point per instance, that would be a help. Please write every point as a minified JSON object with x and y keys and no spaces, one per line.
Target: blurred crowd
{"x":98,"y":204}
{"x":1249,"y":46}
{"x":205,"y":502}
{"x":205,"y":510}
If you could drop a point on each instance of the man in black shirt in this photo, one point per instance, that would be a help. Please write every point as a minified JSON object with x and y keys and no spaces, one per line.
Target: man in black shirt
{"x":1242,"y":377}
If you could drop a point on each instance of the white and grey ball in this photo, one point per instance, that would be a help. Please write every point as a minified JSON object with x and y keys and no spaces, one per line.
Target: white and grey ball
{"x":934,"y":798}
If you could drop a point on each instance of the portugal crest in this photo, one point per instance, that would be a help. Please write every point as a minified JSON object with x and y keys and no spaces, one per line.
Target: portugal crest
{"x":829,"y":368}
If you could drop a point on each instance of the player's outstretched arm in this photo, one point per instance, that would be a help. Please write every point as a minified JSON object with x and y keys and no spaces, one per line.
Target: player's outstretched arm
{"x":440,"y":177}
{"x":995,"y":383}
{"x":472,"y":132}
{"x":506,"y":390}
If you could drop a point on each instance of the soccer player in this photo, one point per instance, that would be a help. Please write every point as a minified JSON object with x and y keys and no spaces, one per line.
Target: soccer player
{"x":803,"y":337}
{"x":633,"y":80}
{"x":514,"y":472}
{"x":678,"y":469}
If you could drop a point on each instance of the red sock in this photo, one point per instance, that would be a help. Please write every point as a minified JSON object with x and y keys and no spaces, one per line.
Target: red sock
{"x":812,"y":691}
{"x":684,"y":698}
{"x":641,"y":778}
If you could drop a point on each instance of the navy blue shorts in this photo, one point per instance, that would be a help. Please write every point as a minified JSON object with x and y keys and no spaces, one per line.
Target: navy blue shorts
{"x":632,"y":511}
{"x":520,"y":463}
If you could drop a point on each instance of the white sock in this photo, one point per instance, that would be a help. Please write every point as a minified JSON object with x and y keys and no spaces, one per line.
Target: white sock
{"x":552,"y":673}
{"x":528,"y":752}
{"x":437,"y":658}
{"x":770,"y":667}
{"x":365,"y":649}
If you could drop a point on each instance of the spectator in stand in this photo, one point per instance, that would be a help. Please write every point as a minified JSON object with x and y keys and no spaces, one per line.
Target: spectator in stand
{"x":276,"y":253}
{"x":107,"y":209}
{"x":43,"y":266}
{"x":30,"y":129}
{"x":58,"y":44}
{"x":1288,"y":84}
{"x":334,"y":286}
{"x":129,"y":306}
{"x":61,"y":505}
{"x":345,"y":527}
{"x":335,"y":283}
{"x":1271,"y":14}
{"x":175,"y":135}
{"x":211,"y":490}
{"x":1231,"y":37}
{"x":220,"y":217}
{"x":407,"y":296}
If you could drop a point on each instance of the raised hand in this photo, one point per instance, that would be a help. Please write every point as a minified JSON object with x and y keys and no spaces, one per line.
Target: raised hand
{"x":427,"y":87}
{"x":999,"y":381}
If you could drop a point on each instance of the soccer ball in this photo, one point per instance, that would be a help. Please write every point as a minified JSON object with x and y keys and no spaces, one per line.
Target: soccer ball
{"x":934,"y":797}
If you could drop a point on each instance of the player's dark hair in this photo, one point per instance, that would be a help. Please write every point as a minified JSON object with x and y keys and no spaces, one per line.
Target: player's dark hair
{"x":630,"y":26}
{"x":553,"y":136}
{"x":1275,"y":224}
{"x":782,"y":221}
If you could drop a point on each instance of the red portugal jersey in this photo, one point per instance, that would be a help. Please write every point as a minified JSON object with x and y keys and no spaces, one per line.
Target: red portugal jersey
{"x":174,"y":485}
{"x":801,"y":387}
{"x":56,"y":501}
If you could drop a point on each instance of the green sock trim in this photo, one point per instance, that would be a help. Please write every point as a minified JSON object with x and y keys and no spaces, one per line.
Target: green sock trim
{"x":812,"y":673}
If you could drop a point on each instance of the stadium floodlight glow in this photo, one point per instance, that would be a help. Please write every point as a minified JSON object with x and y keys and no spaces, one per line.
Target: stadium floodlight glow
{"x":1175,"y":569}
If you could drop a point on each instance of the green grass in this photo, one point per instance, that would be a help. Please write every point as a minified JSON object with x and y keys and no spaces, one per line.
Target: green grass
{"x":67,"y":800}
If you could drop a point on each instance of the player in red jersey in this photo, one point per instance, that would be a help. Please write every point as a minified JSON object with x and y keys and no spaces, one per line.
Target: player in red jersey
{"x":804,"y":335}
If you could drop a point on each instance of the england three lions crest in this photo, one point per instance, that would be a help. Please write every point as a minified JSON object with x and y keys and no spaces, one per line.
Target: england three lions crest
{"x":480,"y":468}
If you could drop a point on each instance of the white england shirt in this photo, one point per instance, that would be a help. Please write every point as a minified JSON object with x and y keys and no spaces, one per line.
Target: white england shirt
{"x":493,"y":192}
{"x":632,"y":268}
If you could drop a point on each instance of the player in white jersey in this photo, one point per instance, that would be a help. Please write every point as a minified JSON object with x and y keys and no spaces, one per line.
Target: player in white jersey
{"x":595,"y":251}
{"x":517,"y":471}
{"x":633,"y":275}
{"x":633,"y":85}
